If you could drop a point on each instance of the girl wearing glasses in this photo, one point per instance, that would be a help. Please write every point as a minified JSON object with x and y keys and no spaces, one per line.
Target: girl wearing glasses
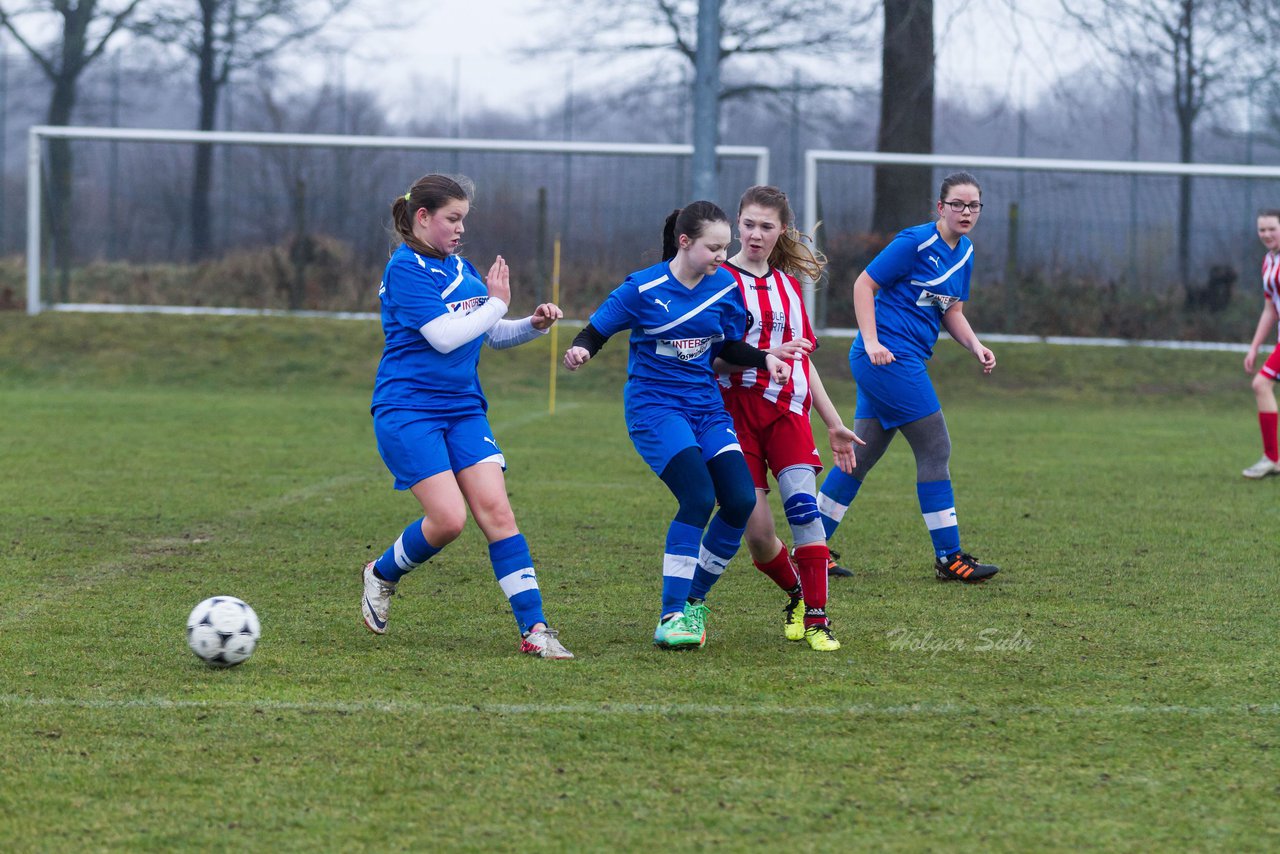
{"x":917,"y":285}
{"x":1264,"y":381}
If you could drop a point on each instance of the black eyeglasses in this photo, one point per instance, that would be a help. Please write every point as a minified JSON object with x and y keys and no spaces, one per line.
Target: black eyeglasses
{"x":959,"y":206}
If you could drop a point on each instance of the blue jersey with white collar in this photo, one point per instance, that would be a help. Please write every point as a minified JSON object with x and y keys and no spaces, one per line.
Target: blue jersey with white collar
{"x":920,"y":277}
{"x":676,"y":334}
{"x":414,"y":375}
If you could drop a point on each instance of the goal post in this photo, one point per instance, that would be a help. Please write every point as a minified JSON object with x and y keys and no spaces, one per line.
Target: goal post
{"x":38,"y":135}
{"x":1112,"y":220}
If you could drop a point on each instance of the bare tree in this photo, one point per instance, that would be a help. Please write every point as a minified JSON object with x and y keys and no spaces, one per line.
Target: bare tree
{"x":764,"y":47}
{"x":1195,"y":50}
{"x":80,"y":33}
{"x":225,"y":36}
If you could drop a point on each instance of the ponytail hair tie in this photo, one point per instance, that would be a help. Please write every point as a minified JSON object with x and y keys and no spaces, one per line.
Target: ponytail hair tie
{"x":406,"y":195}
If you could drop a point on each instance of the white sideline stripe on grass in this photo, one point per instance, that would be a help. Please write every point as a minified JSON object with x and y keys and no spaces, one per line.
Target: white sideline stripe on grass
{"x":1005,"y":338}
{"x":635,"y":709}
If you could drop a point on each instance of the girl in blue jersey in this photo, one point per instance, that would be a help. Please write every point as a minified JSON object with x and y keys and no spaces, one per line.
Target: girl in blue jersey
{"x":917,"y":285}
{"x":429,"y":410}
{"x":683,"y":313}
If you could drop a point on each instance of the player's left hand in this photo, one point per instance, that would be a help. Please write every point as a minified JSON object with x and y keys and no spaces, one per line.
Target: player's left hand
{"x":545,"y":315}
{"x":791,"y":350}
{"x":842,"y":441}
{"x":778,"y":369}
{"x":986,"y":358}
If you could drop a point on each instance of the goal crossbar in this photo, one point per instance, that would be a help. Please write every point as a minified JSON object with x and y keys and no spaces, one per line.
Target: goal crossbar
{"x":38,"y":133}
{"x":813,"y":157}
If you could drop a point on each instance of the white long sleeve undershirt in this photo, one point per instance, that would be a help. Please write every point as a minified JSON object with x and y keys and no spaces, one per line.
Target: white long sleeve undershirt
{"x":448,"y":332}
{"x":513,"y":333}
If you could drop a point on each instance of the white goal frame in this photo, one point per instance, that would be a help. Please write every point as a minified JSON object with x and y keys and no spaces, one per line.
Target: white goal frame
{"x":813,"y":157}
{"x":38,"y":133}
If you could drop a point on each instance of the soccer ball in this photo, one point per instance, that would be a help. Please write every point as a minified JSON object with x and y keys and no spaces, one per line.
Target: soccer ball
{"x":223,"y":630}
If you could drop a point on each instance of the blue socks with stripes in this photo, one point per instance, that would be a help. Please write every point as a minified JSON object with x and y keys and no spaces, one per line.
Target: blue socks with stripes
{"x":409,"y":550}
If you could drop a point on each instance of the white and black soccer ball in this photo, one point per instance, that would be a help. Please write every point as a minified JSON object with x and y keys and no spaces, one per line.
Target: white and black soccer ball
{"x":223,"y":631}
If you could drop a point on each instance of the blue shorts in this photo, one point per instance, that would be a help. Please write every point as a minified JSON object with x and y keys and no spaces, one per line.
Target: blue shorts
{"x":416,"y":445}
{"x":894,"y":394}
{"x":660,"y":434}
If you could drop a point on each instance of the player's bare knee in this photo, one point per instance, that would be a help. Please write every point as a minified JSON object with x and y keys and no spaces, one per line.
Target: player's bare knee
{"x":443,"y":528}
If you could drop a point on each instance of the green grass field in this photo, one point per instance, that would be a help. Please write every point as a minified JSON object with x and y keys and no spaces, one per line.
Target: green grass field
{"x":1114,"y":688}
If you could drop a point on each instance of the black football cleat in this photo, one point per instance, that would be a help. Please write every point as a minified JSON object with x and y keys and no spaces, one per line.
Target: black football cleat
{"x":963,"y":567}
{"x":835,"y":570}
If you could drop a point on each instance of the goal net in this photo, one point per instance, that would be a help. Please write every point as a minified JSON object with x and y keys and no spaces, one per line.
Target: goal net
{"x":1068,"y":247}
{"x":301,"y":223}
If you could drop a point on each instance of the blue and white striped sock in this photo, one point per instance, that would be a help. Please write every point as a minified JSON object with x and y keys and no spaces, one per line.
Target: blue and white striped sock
{"x":409,"y":550}
{"x":679,"y":559}
{"x":719,"y":545}
{"x":513,"y":567}
{"x":938,"y":506}
{"x":837,"y":493}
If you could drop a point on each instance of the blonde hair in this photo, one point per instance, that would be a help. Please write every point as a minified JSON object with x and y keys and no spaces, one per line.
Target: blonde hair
{"x":792,"y":254}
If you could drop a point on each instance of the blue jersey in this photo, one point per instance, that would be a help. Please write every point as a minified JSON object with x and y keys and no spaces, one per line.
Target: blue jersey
{"x":920,"y":277}
{"x":414,"y":375}
{"x":676,"y":334}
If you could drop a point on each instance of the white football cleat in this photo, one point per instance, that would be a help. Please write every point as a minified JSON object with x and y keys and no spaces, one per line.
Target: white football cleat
{"x":544,"y":643}
{"x":1261,"y":469}
{"x":376,"y":601}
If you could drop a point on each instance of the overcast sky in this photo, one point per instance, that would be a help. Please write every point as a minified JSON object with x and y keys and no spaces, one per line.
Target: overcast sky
{"x":477,"y":44}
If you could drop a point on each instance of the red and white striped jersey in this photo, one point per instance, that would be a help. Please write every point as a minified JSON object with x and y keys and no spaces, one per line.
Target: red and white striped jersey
{"x":775,"y":309}
{"x":1270,"y":278}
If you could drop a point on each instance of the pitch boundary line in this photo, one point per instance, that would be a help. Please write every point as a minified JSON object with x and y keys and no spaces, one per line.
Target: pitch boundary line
{"x":906,"y":710}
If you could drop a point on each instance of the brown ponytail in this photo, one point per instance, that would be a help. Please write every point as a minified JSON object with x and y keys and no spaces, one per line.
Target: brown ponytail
{"x":432,"y":192}
{"x":690,"y":221}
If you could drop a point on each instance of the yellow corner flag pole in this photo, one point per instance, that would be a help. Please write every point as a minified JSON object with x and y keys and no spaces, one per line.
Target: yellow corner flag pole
{"x":555,"y":338}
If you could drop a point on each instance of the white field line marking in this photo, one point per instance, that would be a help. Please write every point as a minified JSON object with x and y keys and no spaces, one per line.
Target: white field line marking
{"x":635,"y":709}
{"x":1071,"y":341}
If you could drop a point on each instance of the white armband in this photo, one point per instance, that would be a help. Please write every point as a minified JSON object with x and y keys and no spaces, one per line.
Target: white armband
{"x":448,"y":332}
{"x":513,"y":333}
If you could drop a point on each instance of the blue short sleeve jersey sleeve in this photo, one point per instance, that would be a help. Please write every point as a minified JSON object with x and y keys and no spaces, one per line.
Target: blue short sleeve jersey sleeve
{"x":412,"y":374}
{"x":920,"y":277}
{"x":676,"y":334}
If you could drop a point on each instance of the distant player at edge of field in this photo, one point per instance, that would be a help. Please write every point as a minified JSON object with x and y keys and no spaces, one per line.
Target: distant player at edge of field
{"x":1264,"y":381}
{"x":772,"y":419}
{"x":684,"y":312}
{"x":429,"y":409}
{"x":916,"y":285}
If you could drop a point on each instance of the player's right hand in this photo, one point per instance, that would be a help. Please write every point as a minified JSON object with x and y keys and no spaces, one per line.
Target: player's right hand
{"x":879,"y":354}
{"x":499,"y":280}
{"x":1250,"y":358}
{"x":576,"y":357}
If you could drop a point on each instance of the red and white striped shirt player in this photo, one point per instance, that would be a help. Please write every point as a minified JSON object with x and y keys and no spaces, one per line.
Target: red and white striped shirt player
{"x":1265,"y":379}
{"x":775,"y":304}
{"x":771,"y":420}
